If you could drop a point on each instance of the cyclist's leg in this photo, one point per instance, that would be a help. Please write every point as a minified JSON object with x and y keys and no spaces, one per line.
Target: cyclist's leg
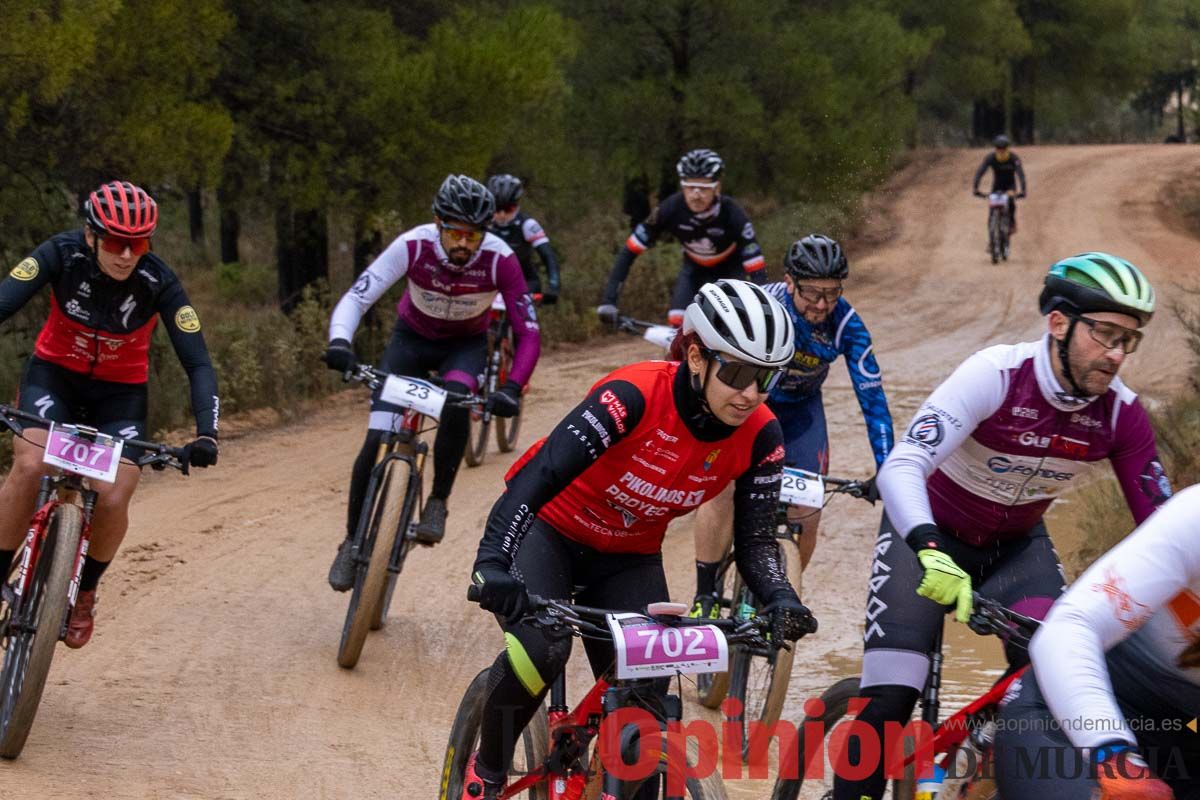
{"x":521,"y":675}
{"x":901,"y":628}
{"x":687,"y":283}
{"x":1026,"y":576}
{"x":713,"y":532}
{"x":460,"y":366}
{"x":1033,"y":757}
{"x":806,"y":441}
{"x":119,"y":410}
{"x":1012,"y":215}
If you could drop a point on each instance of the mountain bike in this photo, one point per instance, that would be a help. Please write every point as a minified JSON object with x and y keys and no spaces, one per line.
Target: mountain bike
{"x":960,"y":746}
{"x":555,"y":745}
{"x":653,"y":332}
{"x":758,"y":677}
{"x":501,"y":346}
{"x":37,"y":595}
{"x":393,"y":501}
{"x":999,"y":224}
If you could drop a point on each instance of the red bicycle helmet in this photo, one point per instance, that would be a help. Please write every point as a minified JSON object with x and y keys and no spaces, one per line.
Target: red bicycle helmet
{"x":121,"y":209}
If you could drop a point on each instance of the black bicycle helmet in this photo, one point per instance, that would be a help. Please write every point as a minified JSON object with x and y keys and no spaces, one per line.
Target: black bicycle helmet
{"x":463,"y":199}
{"x":816,"y":256}
{"x":701,"y":163}
{"x":507,"y":189}
{"x":1000,"y":141}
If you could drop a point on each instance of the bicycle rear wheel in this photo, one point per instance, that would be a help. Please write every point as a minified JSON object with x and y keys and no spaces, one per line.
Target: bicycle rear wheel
{"x":34,"y":626}
{"x":481,"y":423}
{"x":507,"y":429}
{"x":412,"y":502}
{"x":531,"y":750}
{"x":370,"y":578}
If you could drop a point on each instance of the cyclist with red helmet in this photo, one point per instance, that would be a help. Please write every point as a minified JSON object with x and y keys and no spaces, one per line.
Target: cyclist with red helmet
{"x":588,"y":505}
{"x":91,"y":362}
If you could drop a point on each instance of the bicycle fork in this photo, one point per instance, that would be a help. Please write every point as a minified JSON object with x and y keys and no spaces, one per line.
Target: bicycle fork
{"x":617,"y":697}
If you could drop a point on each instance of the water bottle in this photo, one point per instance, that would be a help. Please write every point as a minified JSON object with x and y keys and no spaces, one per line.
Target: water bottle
{"x":929,"y":788}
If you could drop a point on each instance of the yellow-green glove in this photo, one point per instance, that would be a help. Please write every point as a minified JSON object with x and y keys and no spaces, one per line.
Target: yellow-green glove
{"x":944,"y":582}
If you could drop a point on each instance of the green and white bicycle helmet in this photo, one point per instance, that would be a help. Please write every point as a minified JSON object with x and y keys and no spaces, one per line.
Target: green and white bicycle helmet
{"x":1098,"y":282}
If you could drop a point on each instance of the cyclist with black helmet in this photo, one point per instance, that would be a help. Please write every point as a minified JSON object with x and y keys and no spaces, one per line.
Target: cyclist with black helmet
{"x":90,"y":365}
{"x":1006,"y":172}
{"x":524,"y":235}
{"x":454,"y":270}
{"x":715,"y":234}
{"x":827,"y":327}
{"x":588,"y":505}
{"x":965,"y":491}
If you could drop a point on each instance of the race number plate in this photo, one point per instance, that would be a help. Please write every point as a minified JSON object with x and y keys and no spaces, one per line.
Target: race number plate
{"x":421,"y":396}
{"x":801,"y":488}
{"x":660,"y":335}
{"x":646,"y":648}
{"x":997,"y":199}
{"x":98,"y":459}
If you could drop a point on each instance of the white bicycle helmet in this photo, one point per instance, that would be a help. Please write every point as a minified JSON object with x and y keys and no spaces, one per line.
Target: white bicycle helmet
{"x":740,"y":319}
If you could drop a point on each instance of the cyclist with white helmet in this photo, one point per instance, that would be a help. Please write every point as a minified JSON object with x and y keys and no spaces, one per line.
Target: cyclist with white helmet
{"x":987,"y":453}
{"x":716,"y":236}
{"x":454,"y":270}
{"x":524,"y":235}
{"x":588,"y":505}
{"x":827,"y":328}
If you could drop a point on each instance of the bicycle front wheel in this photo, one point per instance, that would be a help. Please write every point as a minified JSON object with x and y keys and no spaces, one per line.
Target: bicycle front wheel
{"x":403,"y":545}
{"x":34,"y":625}
{"x":759,"y":680}
{"x":713,"y":687}
{"x":530,"y":753}
{"x":994,"y":235}
{"x":370,"y":578}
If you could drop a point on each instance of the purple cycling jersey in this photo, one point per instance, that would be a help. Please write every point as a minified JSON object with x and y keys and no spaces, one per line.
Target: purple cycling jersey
{"x":1000,"y":439}
{"x":442,"y":300}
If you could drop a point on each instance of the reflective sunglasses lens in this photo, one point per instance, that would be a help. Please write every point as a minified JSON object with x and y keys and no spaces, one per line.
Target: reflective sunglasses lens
{"x":739,"y":376}
{"x":117,"y":245}
{"x":464,"y":234}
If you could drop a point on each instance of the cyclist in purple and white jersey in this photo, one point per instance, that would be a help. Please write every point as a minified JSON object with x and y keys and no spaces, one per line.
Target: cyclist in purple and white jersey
{"x":454,"y":270}
{"x":965,"y":490}
{"x":1115,"y":687}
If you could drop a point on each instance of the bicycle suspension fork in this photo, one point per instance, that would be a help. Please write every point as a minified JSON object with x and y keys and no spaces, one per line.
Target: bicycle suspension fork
{"x":930,"y":702}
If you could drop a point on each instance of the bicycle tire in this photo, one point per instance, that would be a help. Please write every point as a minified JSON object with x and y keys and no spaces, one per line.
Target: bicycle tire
{"x":507,"y":429}
{"x":759,"y":682}
{"x":994,"y":234}
{"x":401,"y":548}
{"x":22,"y":680}
{"x":713,"y":687}
{"x":480,"y":424}
{"x":710,"y":787}
{"x":369,"y":580}
{"x":464,"y":740}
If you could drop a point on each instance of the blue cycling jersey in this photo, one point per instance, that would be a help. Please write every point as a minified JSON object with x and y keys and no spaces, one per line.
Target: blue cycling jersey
{"x":817,"y":346}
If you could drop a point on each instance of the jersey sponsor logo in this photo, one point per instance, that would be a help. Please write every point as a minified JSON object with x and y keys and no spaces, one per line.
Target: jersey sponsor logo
{"x":658,"y":494}
{"x":763,"y":480}
{"x":654,"y":451}
{"x":1002,"y":465}
{"x":616,"y":409}
{"x":666,"y":437}
{"x":880,"y":574}
{"x":711,"y":458}
{"x":806,"y":360}
{"x":926,"y":432}
{"x":128,"y":432}
{"x":865,"y":385}
{"x":1027,"y":413}
{"x":27,"y":270}
{"x":363,"y":285}
{"x":623,"y":502}
{"x":953,"y":421}
{"x":1086,"y":420}
{"x":598,"y":427}
{"x":187,"y":320}
{"x":648,"y":465}
{"x":1128,"y":612}
{"x":775,"y":456}
{"x":130,"y":304}
{"x":43,"y":404}
{"x":1155,"y":484}
{"x":85,"y":290}
{"x":75,"y":309}
{"x":747,"y":231}
{"x":701,"y":478}
{"x":1066,"y":446}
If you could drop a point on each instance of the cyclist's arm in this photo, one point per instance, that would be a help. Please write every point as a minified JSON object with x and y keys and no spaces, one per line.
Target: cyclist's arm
{"x":609,"y":413}
{"x":854,"y":342}
{"x":1020,"y":174}
{"x":943,"y":422}
{"x":755,"y":499}
{"x":752,"y":255}
{"x":536,"y":235}
{"x":26,"y":279}
{"x":183,"y":328}
{"x":987,"y":162}
{"x":640,"y":240}
{"x":1135,"y":460}
{"x":510,"y":280}
{"x":389,"y":267}
{"x":1112,"y":599}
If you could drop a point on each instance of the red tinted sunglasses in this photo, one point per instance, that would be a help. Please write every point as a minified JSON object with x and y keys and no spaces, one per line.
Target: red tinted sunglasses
{"x":117,"y":244}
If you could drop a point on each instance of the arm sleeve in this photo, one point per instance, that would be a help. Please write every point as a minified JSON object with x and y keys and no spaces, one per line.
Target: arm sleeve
{"x":193,"y":356}
{"x":1111,"y":600}
{"x":641,"y":240}
{"x":755,"y":500}
{"x":1020,"y":175}
{"x":27,"y":279}
{"x":582,"y":437}
{"x":987,"y":162}
{"x":752,"y":255}
{"x":389,"y":267}
{"x":943,"y":422}
{"x":854,"y":341}
{"x":510,"y":280}
{"x":1135,"y":461}
{"x":546,"y":253}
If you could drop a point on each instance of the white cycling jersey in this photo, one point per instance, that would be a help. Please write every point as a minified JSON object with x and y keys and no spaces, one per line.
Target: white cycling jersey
{"x":1149,"y":582}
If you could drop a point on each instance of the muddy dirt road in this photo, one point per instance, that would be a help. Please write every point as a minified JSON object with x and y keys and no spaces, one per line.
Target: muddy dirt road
{"x":212,"y":673}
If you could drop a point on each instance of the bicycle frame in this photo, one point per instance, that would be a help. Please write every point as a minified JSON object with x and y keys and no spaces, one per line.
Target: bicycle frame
{"x":39,"y":524}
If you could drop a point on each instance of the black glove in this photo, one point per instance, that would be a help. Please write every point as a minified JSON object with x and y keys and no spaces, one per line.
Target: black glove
{"x":978,"y":193}
{"x":340,"y":356}
{"x":607,"y":313}
{"x":505,"y":401}
{"x":202,"y":452}
{"x":550,"y":296}
{"x":870,"y":492}
{"x":1020,"y":195}
{"x":790,"y":619}
{"x":503,"y":594}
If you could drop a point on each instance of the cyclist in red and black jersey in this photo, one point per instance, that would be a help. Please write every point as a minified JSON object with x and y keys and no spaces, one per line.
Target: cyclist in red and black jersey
{"x":588,"y":505}
{"x":715,"y":234}
{"x":91,"y":362}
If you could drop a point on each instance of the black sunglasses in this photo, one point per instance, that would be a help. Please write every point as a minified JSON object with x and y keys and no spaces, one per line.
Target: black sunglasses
{"x":738,"y":375}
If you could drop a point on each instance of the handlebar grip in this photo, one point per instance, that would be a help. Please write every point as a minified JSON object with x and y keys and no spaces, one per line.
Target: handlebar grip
{"x":473,"y":593}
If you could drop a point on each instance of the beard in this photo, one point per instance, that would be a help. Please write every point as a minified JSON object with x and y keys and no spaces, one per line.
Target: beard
{"x":1095,"y":376}
{"x":459,"y":256}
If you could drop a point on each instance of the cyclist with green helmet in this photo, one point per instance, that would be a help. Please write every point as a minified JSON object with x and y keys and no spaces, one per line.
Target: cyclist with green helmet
{"x":986,"y":454}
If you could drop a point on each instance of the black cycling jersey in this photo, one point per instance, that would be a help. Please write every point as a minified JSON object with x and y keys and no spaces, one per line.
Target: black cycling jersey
{"x":719,"y":236}
{"x":524,"y":235}
{"x":1004,"y":173}
{"x":101,"y":328}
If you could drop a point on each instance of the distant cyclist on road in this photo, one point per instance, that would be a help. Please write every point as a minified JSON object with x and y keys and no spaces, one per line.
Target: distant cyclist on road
{"x":588,"y":505}
{"x":716,"y":236}
{"x":523,"y":234}
{"x":91,"y":363}
{"x":827,"y":328}
{"x":1006,"y":172}
{"x":987,"y":453}
{"x":454,"y":270}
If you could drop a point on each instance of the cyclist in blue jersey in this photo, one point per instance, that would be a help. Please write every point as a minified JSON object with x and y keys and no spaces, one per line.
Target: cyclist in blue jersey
{"x":827,"y":327}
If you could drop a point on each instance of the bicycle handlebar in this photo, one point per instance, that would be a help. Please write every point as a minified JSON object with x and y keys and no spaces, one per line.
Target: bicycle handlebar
{"x":374,"y":378}
{"x":157,"y":456}
{"x":991,"y":617}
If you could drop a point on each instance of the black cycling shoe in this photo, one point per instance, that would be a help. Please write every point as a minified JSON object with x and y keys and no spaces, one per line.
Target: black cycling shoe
{"x":432,"y":527}
{"x":341,"y":573}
